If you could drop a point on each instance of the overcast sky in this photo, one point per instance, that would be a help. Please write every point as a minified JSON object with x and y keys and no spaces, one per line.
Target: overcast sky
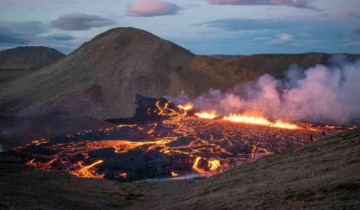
{"x":202,"y":26}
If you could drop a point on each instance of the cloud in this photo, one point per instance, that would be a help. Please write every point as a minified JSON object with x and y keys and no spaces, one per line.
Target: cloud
{"x":32,"y":33}
{"x":252,"y":24}
{"x":261,"y":39}
{"x":7,"y":37}
{"x":80,"y":22}
{"x":26,"y":28}
{"x":309,"y":29}
{"x":288,"y":40}
{"x":355,"y":31}
{"x":282,"y":39}
{"x":352,"y":44}
{"x":293,"y":3}
{"x":60,"y":37}
{"x":5,"y":30}
{"x":150,"y":8}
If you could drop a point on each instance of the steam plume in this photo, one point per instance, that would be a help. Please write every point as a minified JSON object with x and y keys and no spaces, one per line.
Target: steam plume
{"x":321,"y":94}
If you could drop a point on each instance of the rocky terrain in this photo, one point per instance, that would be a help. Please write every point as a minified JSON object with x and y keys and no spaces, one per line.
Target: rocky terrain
{"x":321,"y":175}
{"x":20,"y":61}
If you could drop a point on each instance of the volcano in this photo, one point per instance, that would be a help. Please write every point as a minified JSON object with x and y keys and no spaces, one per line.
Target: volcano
{"x":108,"y":122}
{"x":101,"y":78}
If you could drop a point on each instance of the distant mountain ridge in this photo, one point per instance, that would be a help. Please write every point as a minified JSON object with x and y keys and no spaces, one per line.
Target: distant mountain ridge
{"x":277,"y":64}
{"x":28,"y":58}
{"x":20,"y":61}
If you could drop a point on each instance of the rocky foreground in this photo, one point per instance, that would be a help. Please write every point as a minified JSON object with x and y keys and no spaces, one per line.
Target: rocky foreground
{"x":322,"y":175}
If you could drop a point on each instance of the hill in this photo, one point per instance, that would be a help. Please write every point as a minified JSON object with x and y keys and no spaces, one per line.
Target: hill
{"x":20,"y":61}
{"x":101,"y":78}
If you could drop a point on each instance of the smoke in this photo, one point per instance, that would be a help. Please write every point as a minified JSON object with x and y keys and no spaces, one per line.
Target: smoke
{"x":321,"y":94}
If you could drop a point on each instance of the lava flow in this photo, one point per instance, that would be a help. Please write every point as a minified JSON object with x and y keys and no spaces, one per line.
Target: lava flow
{"x":164,"y":141}
{"x":259,"y":121}
{"x":85,"y":171}
{"x":206,"y":115}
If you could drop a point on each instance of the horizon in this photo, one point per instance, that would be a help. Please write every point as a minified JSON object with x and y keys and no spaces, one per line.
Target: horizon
{"x":210,"y":27}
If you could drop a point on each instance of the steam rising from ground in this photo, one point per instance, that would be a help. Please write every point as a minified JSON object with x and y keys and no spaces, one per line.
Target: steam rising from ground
{"x":320,"y":94}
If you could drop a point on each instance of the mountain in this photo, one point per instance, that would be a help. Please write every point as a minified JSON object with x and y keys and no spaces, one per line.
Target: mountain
{"x":20,"y":61}
{"x":102,"y":77}
{"x":277,"y":64}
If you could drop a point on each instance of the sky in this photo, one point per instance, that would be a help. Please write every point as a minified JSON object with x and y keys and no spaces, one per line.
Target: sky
{"x":234,"y":27}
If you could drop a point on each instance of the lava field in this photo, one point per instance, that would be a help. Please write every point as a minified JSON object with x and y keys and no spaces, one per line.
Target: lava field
{"x":169,"y":143}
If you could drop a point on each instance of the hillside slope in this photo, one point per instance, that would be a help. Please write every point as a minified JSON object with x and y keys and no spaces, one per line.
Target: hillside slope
{"x":20,"y":61}
{"x":101,"y":78}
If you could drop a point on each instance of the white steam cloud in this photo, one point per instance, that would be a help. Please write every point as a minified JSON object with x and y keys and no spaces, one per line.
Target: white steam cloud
{"x":321,"y":94}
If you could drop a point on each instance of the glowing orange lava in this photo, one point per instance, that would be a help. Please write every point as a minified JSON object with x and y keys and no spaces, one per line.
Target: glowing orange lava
{"x":123,"y":175}
{"x":214,"y":164}
{"x":173,"y":174}
{"x":186,"y":107}
{"x":85,"y":171}
{"x":205,"y":144}
{"x":195,"y":166}
{"x":259,"y":121}
{"x":30,"y":162}
{"x":206,"y":115}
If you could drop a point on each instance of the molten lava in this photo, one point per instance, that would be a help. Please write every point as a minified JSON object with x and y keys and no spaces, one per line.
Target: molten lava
{"x":207,"y":115}
{"x":176,"y":143}
{"x":123,"y":175}
{"x":87,"y":171}
{"x":206,"y":170}
{"x":214,"y":164}
{"x":259,"y":121}
{"x":174,"y":174}
{"x":186,"y":107}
